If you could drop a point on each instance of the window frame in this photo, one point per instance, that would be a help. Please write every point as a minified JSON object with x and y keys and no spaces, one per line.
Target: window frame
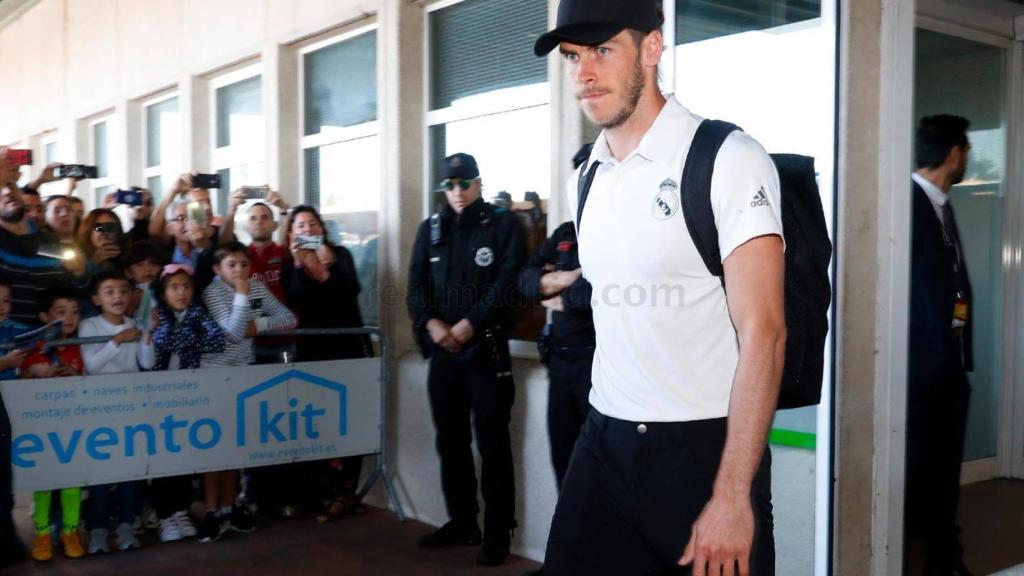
{"x":228,"y":157}
{"x":342,"y":135}
{"x":97,"y":184}
{"x":161,"y":170}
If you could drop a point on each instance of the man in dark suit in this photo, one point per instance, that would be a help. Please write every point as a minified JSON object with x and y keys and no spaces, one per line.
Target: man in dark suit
{"x":940,"y":347}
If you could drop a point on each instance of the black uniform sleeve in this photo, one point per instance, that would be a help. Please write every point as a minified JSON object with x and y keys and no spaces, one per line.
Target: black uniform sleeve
{"x":418,"y":298}
{"x":529,"y":277}
{"x":501,"y":294}
{"x":577,"y":296}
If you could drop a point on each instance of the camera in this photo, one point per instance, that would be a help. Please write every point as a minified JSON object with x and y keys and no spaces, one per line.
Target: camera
{"x":307,"y":242}
{"x":79,"y":171}
{"x":206,"y":181}
{"x":19,"y":157}
{"x":132,"y":197}
{"x":197,"y":213}
{"x":256,"y":192}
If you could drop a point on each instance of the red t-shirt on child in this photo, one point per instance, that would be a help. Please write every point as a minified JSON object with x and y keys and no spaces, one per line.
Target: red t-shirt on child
{"x":70,"y":356}
{"x":266,"y":267}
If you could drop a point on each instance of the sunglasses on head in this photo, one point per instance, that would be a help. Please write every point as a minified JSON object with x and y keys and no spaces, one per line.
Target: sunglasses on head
{"x":464,"y":184}
{"x":108,"y":228}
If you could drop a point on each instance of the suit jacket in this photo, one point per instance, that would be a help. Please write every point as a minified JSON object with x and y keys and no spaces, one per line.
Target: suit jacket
{"x":934,"y":351}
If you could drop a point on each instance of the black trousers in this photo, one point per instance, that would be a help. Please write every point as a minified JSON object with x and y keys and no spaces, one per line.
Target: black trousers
{"x":459,"y":389}
{"x":568,"y":403}
{"x":171,"y":494}
{"x":936,"y":426}
{"x":633,"y":492}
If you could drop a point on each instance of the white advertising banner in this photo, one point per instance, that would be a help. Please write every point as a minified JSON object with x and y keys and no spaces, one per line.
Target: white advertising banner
{"x":83,"y":431}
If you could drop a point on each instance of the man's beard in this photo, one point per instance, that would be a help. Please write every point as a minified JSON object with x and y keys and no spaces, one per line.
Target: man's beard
{"x":958,"y":177}
{"x":634,"y":91}
{"x":14,"y":215}
{"x":266,"y":238}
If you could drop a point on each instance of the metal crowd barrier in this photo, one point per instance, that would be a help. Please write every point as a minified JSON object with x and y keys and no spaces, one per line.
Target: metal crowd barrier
{"x":382,"y":471}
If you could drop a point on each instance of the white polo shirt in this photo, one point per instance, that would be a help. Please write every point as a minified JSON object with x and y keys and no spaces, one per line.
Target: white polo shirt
{"x":666,"y":347}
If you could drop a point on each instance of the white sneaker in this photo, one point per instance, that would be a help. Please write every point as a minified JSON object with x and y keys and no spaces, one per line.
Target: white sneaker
{"x":169,"y":530}
{"x":126,"y":539}
{"x":98,"y":541}
{"x":185,"y":526}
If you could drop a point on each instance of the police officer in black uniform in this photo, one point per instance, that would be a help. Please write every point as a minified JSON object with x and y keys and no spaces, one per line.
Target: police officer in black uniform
{"x":462,"y":286}
{"x":553,"y":277}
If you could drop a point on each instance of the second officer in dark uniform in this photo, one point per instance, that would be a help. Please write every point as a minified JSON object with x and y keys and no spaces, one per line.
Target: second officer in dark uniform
{"x":553,"y":277}
{"x":462,"y":286}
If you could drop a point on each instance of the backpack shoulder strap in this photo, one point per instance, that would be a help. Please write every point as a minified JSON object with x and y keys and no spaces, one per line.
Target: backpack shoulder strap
{"x":586,"y":180}
{"x":696,"y":191}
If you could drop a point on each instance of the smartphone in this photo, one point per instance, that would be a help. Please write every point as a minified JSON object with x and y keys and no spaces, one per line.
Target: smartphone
{"x":128,"y":197}
{"x":306,"y":242}
{"x":197,"y":213}
{"x":19,"y":157}
{"x":206,"y":181}
{"x":256,"y":192}
{"x":80,"y":171}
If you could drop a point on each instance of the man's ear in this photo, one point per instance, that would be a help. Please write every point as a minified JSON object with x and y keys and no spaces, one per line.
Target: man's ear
{"x":652,"y":48}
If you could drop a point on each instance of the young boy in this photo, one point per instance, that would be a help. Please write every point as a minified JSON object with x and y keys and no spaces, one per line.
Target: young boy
{"x":57,"y":303}
{"x":129,"y":351}
{"x":144,"y":263}
{"x":243,"y":307}
{"x":10,"y":359}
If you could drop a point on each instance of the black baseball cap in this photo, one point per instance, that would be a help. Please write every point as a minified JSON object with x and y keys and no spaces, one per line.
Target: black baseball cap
{"x":591,"y":22}
{"x":460,"y":166}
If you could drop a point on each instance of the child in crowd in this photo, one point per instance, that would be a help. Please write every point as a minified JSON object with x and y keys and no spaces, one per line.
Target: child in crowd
{"x":10,"y":359}
{"x":130,"y":350}
{"x":57,"y":303}
{"x":243,"y":308}
{"x":143,"y":266}
{"x":184,"y":333}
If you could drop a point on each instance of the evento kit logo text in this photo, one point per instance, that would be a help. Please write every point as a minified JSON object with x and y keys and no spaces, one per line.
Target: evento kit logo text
{"x":264,"y":417}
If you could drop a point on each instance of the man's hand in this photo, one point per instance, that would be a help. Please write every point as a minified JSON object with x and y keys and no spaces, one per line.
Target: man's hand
{"x":13,"y":359}
{"x":251,"y":330}
{"x":555,"y":304}
{"x":722,"y":537}
{"x":129,"y":335}
{"x":46,"y":176}
{"x":440,"y":334}
{"x":275,"y":199}
{"x":182,"y":185}
{"x":142,"y":212}
{"x":554,"y":283}
{"x":237,"y":199}
{"x":462,"y":332}
{"x":9,"y":173}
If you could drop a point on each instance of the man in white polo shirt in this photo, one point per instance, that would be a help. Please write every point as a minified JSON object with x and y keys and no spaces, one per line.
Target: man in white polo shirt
{"x":671,"y":473}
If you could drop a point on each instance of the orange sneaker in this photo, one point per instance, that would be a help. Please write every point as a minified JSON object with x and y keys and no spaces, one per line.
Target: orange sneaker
{"x":72,"y":544}
{"x":42,"y":547}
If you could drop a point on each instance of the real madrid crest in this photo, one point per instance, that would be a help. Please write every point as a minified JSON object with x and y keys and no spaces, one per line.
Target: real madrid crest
{"x":666,"y":202}
{"x":484,"y":257}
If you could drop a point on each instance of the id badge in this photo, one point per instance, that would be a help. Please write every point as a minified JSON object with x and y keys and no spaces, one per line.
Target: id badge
{"x":960,"y":310}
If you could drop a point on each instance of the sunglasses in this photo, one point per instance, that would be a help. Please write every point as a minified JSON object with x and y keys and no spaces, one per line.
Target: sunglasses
{"x":463,"y":184}
{"x":108,"y":228}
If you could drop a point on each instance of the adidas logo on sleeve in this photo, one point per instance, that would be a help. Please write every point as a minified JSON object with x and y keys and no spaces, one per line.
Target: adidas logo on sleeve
{"x":760,"y":199}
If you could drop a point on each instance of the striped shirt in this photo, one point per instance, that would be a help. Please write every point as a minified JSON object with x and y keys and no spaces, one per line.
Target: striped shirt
{"x":29,"y":274}
{"x":233,"y":313}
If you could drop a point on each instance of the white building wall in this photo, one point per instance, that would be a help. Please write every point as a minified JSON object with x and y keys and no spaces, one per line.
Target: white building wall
{"x":65,"y":61}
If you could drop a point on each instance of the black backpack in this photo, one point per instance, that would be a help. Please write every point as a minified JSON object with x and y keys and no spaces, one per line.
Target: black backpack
{"x":808,"y":293}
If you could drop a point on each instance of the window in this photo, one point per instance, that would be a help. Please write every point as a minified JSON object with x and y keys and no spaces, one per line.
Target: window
{"x":48,"y":142}
{"x":341,"y":149}
{"x":489,"y":94}
{"x":698,"y":20}
{"x":238,"y":132}
{"x":162,"y":136}
{"x":99,"y":154}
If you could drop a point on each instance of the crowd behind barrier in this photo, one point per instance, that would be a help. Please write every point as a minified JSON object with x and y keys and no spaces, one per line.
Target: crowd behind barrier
{"x":82,"y":295}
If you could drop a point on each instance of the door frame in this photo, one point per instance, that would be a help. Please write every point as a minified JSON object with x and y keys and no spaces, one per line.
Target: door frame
{"x":979,"y":26}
